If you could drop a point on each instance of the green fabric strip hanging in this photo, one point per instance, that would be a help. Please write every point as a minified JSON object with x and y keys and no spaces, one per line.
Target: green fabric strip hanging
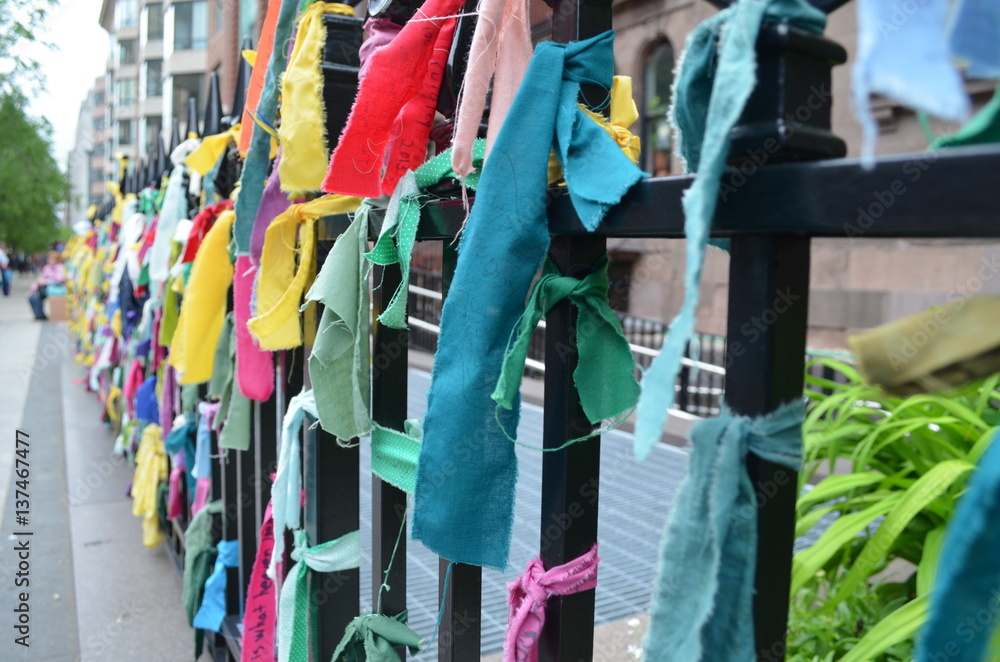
{"x":395,"y":454}
{"x":374,"y":637}
{"x":603,"y":375}
{"x":199,"y":558}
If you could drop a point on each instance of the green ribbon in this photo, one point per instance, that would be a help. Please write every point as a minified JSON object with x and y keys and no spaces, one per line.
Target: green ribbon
{"x":395,"y":454}
{"x":603,"y":374}
{"x":374,"y":637}
{"x":295,"y":606}
{"x":402,"y":217}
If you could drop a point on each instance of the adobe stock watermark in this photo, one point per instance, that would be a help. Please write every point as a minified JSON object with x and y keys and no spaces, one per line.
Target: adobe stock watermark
{"x":752,"y":330}
{"x":883,"y":200}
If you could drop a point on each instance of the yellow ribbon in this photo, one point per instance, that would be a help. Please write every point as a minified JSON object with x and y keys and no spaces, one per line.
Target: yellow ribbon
{"x":210,"y":150}
{"x":111,"y":404}
{"x":116,"y":323}
{"x":302,"y":134}
{"x":150,"y":471}
{"x":280,"y":284}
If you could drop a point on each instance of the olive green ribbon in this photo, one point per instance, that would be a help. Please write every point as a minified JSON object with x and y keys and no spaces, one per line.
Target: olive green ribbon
{"x":603,"y":375}
{"x":374,"y":637}
{"x":296,"y":611}
{"x":402,"y":217}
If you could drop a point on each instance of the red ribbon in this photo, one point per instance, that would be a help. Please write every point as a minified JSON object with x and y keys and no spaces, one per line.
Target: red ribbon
{"x":393,"y":114}
{"x":200,"y":226}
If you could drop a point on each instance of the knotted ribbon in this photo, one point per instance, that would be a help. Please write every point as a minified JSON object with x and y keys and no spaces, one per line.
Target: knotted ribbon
{"x":294,"y":605}
{"x":715,"y":79}
{"x":286,"y":492}
{"x":374,"y":637}
{"x":392,"y":116}
{"x":260,"y":619}
{"x":603,"y":374}
{"x":281,"y":281}
{"x":529,"y":593}
{"x":339,"y":365}
{"x":702,"y":605}
{"x":502,"y":248}
{"x":212,"y":611}
{"x":302,"y":133}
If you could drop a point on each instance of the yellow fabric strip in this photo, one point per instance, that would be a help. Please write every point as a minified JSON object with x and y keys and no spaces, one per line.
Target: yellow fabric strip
{"x":150,"y":471}
{"x":305,"y":157}
{"x":204,"y":305}
{"x":280,"y":284}
{"x":210,"y":150}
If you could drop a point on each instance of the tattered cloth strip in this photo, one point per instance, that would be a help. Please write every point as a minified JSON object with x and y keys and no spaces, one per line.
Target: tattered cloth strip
{"x":393,"y":114}
{"x":201,"y":225}
{"x":714,"y":81}
{"x":204,"y":159}
{"x":260,"y":616}
{"x":501,"y":250}
{"x":260,"y":62}
{"x":529,"y":593}
{"x":150,"y":471}
{"x":907,"y":61}
{"x":975,"y":33}
{"x":199,"y":558}
{"x":286,"y":492}
{"x":604,"y":374}
{"x":505,"y":61}
{"x":255,"y":366}
{"x":174,"y":209}
{"x":374,"y":637}
{"x":984,"y":127}
{"x":395,"y":454}
{"x":295,"y":607}
{"x":259,"y":154}
{"x":204,"y":306}
{"x":340,"y":364}
{"x":702,"y":605}
{"x":282,"y":277}
{"x":212,"y":611}
{"x":302,"y":132}
{"x":380,"y":32}
{"x":968,"y":575}
{"x":272,"y":204}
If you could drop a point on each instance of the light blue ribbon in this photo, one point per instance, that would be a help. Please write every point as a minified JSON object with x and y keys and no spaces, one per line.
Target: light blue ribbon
{"x":213,"y":603}
{"x":975,"y":37}
{"x":703,"y":599}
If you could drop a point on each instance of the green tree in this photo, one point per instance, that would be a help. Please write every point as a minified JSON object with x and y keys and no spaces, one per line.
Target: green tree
{"x":31,"y":184}
{"x":20,"y":23}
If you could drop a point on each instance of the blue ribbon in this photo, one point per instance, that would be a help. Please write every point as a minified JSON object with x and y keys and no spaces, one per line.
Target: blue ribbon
{"x":213,"y":603}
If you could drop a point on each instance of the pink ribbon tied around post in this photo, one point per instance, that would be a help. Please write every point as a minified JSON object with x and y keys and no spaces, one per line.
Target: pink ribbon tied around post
{"x":529,"y":593}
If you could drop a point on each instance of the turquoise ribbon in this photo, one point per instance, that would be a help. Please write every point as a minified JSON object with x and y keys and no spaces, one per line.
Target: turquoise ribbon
{"x":716,"y":77}
{"x":286,"y":492}
{"x":968,"y":574}
{"x":295,"y":613}
{"x":603,"y":375}
{"x":213,"y":604}
{"x":399,"y":228}
{"x":702,"y":605}
{"x":374,"y":637}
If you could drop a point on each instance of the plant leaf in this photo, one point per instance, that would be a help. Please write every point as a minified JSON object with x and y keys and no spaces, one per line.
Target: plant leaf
{"x":927,"y":569}
{"x":898,"y":626}
{"x":832,"y":487}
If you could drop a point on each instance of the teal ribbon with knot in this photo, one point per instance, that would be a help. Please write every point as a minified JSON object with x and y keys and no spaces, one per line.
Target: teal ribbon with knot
{"x":603,"y":375}
{"x":374,"y":637}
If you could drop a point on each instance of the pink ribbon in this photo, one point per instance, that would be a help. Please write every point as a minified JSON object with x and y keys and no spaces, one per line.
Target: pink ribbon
{"x":175,"y":505}
{"x":131,"y":385}
{"x":254,"y":366}
{"x":529,"y":593}
{"x":259,"y":618}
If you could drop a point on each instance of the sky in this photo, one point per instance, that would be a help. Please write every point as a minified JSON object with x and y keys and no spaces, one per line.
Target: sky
{"x":79,"y":56}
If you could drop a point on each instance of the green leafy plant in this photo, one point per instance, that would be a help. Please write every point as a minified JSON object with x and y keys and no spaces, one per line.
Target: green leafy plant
{"x":908,"y":461}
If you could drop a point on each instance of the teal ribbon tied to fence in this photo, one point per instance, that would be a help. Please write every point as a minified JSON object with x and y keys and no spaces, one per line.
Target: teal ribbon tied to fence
{"x":465,"y":515}
{"x":286,"y":493}
{"x":703,"y":598}
{"x":296,"y":611}
{"x":968,"y":575}
{"x":714,"y":81}
{"x":603,"y":375}
{"x":374,"y":637}
{"x":340,"y":364}
{"x":402,"y":216}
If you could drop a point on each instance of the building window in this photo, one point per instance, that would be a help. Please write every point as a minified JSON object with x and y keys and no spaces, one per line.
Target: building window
{"x":658,"y":78}
{"x":126,"y":52}
{"x":127,"y":13}
{"x":99,"y":98}
{"x":99,"y":123}
{"x":154,"y":21}
{"x":248,"y":18}
{"x":98,"y":150}
{"x":153,"y":125}
{"x":186,"y":86}
{"x":126,"y":132}
{"x":153,"y":72}
{"x":190,"y":25}
{"x":96,"y":175}
{"x":125,"y":92}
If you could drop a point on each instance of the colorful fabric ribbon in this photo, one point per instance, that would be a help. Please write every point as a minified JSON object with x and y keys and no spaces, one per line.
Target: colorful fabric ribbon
{"x":395,"y":454}
{"x":702,"y":605}
{"x":150,"y":471}
{"x":255,"y":366}
{"x":281,"y":281}
{"x":715,"y":79}
{"x":212,"y":611}
{"x":529,"y":593}
{"x":503,"y":246}
{"x":174,"y":209}
{"x":211,"y":149}
{"x":604,"y":373}
{"x":260,"y":617}
{"x":199,"y":559}
{"x":294,"y":605}
{"x":392,"y":116}
{"x":375,"y":637}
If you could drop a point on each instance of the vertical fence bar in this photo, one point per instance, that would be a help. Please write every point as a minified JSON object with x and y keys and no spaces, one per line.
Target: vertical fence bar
{"x":246,"y":521}
{"x":265,"y":454}
{"x":461,"y":625}
{"x":768,"y":374}
{"x":389,"y":388}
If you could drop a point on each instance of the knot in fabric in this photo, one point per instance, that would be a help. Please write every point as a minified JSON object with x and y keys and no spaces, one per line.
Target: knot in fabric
{"x":529,"y":593}
{"x":374,"y":637}
{"x":622,"y":113}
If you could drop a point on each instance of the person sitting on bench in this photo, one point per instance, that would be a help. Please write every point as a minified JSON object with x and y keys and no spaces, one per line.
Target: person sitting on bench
{"x":53,"y":274}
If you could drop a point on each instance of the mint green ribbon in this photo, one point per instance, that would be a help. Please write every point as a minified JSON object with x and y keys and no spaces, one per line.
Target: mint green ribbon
{"x":402,"y":217}
{"x":395,"y":454}
{"x":295,"y":608}
{"x":603,"y":375}
{"x":374,"y":637}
